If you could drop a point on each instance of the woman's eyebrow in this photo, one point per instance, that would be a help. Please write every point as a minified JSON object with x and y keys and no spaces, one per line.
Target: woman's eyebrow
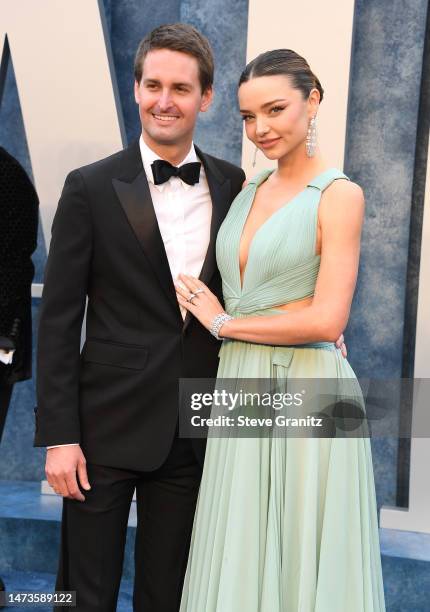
{"x":265,"y":105}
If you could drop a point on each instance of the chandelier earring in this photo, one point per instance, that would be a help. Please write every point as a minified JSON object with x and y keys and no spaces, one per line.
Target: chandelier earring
{"x":254,"y":161}
{"x":311,"y":137}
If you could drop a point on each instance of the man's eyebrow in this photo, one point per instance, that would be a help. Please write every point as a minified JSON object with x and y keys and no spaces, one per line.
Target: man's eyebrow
{"x":265,"y":105}
{"x":157,"y":81}
{"x":183,"y":84}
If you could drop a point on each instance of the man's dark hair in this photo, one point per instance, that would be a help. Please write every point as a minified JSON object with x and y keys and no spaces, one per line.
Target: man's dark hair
{"x":178,"y":37}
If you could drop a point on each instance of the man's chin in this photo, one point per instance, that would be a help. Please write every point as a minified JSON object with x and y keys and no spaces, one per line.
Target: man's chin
{"x":165,"y":137}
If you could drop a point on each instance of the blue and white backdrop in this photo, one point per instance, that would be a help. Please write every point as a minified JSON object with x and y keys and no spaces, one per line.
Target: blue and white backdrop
{"x":66,"y":98}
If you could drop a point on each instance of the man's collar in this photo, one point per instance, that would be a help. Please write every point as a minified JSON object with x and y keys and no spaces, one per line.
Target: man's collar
{"x":149,"y":156}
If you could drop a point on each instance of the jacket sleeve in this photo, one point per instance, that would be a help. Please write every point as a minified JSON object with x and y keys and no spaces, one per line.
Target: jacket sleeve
{"x":61,"y":315}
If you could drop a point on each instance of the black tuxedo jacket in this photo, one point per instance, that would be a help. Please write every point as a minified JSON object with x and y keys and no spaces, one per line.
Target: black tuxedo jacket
{"x":18,"y":239}
{"x":119,"y":398}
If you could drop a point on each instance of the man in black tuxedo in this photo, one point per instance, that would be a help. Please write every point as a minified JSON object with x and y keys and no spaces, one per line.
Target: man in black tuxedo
{"x":18,"y":239}
{"x":124,"y":228}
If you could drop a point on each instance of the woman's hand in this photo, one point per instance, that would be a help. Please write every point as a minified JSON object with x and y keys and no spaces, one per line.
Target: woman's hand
{"x":204,"y":305}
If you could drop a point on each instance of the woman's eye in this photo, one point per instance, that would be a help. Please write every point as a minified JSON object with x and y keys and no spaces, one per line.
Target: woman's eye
{"x":246,"y":117}
{"x":277,"y":109}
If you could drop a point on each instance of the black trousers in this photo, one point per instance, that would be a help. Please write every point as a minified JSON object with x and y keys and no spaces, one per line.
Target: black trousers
{"x":94,"y":533}
{"x":5,"y":395}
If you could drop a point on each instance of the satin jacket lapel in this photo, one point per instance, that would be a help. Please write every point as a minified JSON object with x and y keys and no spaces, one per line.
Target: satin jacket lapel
{"x":219,"y":187}
{"x":135,"y":198}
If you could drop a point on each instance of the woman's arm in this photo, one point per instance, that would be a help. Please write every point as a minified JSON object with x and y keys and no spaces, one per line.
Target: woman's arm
{"x":341,"y":214}
{"x":340,"y":217}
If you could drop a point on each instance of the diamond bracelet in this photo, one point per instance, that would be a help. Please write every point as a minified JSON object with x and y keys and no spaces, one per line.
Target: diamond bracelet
{"x":218,"y":322}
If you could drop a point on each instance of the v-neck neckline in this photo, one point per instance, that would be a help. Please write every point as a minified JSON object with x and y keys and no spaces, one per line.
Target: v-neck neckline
{"x":284,"y":206}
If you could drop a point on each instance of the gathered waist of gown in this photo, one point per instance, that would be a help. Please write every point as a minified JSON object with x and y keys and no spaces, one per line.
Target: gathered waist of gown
{"x":328,"y":346}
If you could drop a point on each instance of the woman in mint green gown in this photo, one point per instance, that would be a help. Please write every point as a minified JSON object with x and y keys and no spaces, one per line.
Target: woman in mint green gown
{"x":285,"y":524}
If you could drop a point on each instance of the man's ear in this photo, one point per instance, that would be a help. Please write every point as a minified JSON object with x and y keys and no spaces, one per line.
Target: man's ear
{"x":136,"y":92}
{"x":207,"y":98}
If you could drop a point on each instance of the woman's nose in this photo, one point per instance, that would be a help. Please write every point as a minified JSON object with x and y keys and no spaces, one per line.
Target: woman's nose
{"x":261,"y":128}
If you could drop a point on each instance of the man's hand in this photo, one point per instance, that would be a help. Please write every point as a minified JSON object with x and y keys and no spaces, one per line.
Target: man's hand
{"x":340,"y":344}
{"x":62,"y":464}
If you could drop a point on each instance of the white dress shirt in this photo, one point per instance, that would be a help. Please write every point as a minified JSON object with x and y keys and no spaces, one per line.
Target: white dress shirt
{"x":183,"y":214}
{"x":184,"y":218}
{"x":6,"y":357}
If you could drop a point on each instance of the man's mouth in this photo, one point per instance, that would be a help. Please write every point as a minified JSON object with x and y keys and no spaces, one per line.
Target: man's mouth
{"x":165,"y":118}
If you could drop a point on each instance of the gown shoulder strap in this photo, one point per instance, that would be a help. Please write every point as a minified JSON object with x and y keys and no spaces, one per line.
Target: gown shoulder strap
{"x":260,"y":177}
{"x":322,"y":181}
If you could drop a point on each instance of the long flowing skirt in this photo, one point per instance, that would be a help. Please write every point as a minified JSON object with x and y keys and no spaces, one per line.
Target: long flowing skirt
{"x":285,"y":524}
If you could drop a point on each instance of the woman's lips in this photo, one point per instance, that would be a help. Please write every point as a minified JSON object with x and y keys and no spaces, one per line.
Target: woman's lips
{"x":266,"y":144}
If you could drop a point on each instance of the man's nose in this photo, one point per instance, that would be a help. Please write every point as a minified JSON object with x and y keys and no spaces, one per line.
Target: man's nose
{"x":165,"y":101}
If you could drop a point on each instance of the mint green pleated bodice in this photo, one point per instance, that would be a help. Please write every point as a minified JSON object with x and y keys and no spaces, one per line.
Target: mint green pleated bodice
{"x":282,"y":265}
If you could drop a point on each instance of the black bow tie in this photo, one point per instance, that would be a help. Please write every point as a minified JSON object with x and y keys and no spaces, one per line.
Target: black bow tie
{"x":162,"y":170}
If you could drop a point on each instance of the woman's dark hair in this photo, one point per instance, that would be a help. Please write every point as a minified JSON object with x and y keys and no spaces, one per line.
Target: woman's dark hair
{"x":286,"y":62}
{"x":178,"y":37}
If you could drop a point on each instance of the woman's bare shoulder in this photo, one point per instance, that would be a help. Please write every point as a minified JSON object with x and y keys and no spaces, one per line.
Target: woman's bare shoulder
{"x":342,"y":205}
{"x":342,"y":194}
{"x":341,"y":189}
